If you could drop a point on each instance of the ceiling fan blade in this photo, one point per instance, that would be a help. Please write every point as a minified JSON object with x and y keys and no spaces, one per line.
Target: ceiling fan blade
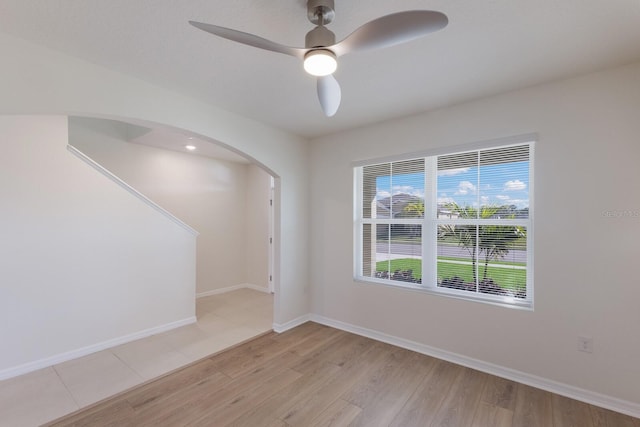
{"x":390,"y":30}
{"x":329,"y":94}
{"x":249,"y":39}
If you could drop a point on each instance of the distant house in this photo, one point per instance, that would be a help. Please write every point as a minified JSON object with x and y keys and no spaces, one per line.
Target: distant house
{"x":394,"y":206}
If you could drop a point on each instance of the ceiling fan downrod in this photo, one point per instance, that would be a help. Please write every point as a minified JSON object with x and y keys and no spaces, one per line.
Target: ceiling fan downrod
{"x":320,"y":12}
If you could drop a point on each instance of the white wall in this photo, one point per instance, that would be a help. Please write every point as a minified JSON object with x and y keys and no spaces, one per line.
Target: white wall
{"x":83,"y":262}
{"x":210,"y":195}
{"x":586,"y":278}
{"x":36,"y":80}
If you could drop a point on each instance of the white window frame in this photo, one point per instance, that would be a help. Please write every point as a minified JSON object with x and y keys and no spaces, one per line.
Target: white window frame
{"x":430,"y":225}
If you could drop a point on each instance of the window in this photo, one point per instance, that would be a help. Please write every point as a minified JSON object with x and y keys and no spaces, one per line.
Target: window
{"x":457,"y":224}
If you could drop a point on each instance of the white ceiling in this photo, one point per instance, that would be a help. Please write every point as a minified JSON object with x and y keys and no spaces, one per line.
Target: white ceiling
{"x":490,"y":46}
{"x":170,"y":139}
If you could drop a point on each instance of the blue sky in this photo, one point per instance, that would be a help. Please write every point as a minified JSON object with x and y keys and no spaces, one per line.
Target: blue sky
{"x":502,"y":184}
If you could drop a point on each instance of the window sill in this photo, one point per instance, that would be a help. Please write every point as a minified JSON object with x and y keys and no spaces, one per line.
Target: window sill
{"x":501,"y":301}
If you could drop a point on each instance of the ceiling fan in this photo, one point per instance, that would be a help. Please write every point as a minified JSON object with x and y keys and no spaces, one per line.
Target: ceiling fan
{"x":321,"y":50}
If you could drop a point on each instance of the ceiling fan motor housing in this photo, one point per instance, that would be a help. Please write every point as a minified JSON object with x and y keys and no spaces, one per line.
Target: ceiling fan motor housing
{"x":319,"y":37}
{"x":320,"y":12}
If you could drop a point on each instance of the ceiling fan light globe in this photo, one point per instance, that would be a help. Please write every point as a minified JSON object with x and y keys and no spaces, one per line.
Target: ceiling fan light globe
{"x":320,"y":62}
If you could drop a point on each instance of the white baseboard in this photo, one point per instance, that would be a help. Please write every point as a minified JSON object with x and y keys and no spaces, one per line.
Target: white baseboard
{"x":587,"y":396}
{"x":281,"y":327}
{"x":231,"y":289}
{"x":74,"y":354}
{"x":257,"y":288}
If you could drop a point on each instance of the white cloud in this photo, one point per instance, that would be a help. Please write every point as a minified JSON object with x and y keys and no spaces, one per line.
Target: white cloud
{"x":506,"y":200}
{"x":515,"y":185}
{"x":445,"y":200}
{"x":382,"y":194}
{"x":465,"y":187}
{"x":451,"y":172}
{"x":408,"y":189}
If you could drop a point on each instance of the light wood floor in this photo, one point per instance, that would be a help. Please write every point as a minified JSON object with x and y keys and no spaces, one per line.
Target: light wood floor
{"x":224,"y":320}
{"x":314,"y":375}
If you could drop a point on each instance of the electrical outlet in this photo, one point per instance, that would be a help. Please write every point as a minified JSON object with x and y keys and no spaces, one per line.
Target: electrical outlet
{"x":585,"y":344}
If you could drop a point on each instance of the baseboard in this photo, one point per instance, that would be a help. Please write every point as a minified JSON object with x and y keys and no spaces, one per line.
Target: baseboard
{"x":597,"y":399}
{"x":257,"y":288}
{"x":281,"y":327}
{"x":231,"y":289}
{"x":74,"y":354}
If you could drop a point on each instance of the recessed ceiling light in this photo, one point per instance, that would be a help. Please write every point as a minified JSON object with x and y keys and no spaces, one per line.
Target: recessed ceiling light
{"x":190,"y":147}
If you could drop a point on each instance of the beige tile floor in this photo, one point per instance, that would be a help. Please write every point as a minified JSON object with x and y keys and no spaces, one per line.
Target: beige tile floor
{"x":46,"y":394}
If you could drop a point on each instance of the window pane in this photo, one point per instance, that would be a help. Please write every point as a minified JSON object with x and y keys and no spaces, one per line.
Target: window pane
{"x":504,"y":181}
{"x":399,"y":252}
{"x":457,"y":185}
{"x":407,"y":189}
{"x":368,"y":251}
{"x":503,"y":260}
{"x":489,"y":259}
{"x":486,"y":184}
{"x":457,"y":257}
{"x":393,"y":190}
{"x":372,"y":187}
{"x":381,"y":251}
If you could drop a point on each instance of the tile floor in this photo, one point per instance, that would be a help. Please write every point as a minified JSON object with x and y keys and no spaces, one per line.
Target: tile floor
{"x":46,"y":394}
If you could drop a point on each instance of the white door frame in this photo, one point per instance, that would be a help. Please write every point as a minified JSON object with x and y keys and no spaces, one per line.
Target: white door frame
{"x":271,"y":228}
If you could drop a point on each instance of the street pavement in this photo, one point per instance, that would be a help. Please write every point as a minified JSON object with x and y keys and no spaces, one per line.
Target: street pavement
{"x":385,"y":251}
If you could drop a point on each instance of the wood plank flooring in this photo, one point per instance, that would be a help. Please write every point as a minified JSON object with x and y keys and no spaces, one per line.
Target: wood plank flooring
{"x":315,"y":376}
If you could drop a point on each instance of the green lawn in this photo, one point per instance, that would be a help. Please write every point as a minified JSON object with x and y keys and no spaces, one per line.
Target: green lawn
{"x":505,"y":277}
